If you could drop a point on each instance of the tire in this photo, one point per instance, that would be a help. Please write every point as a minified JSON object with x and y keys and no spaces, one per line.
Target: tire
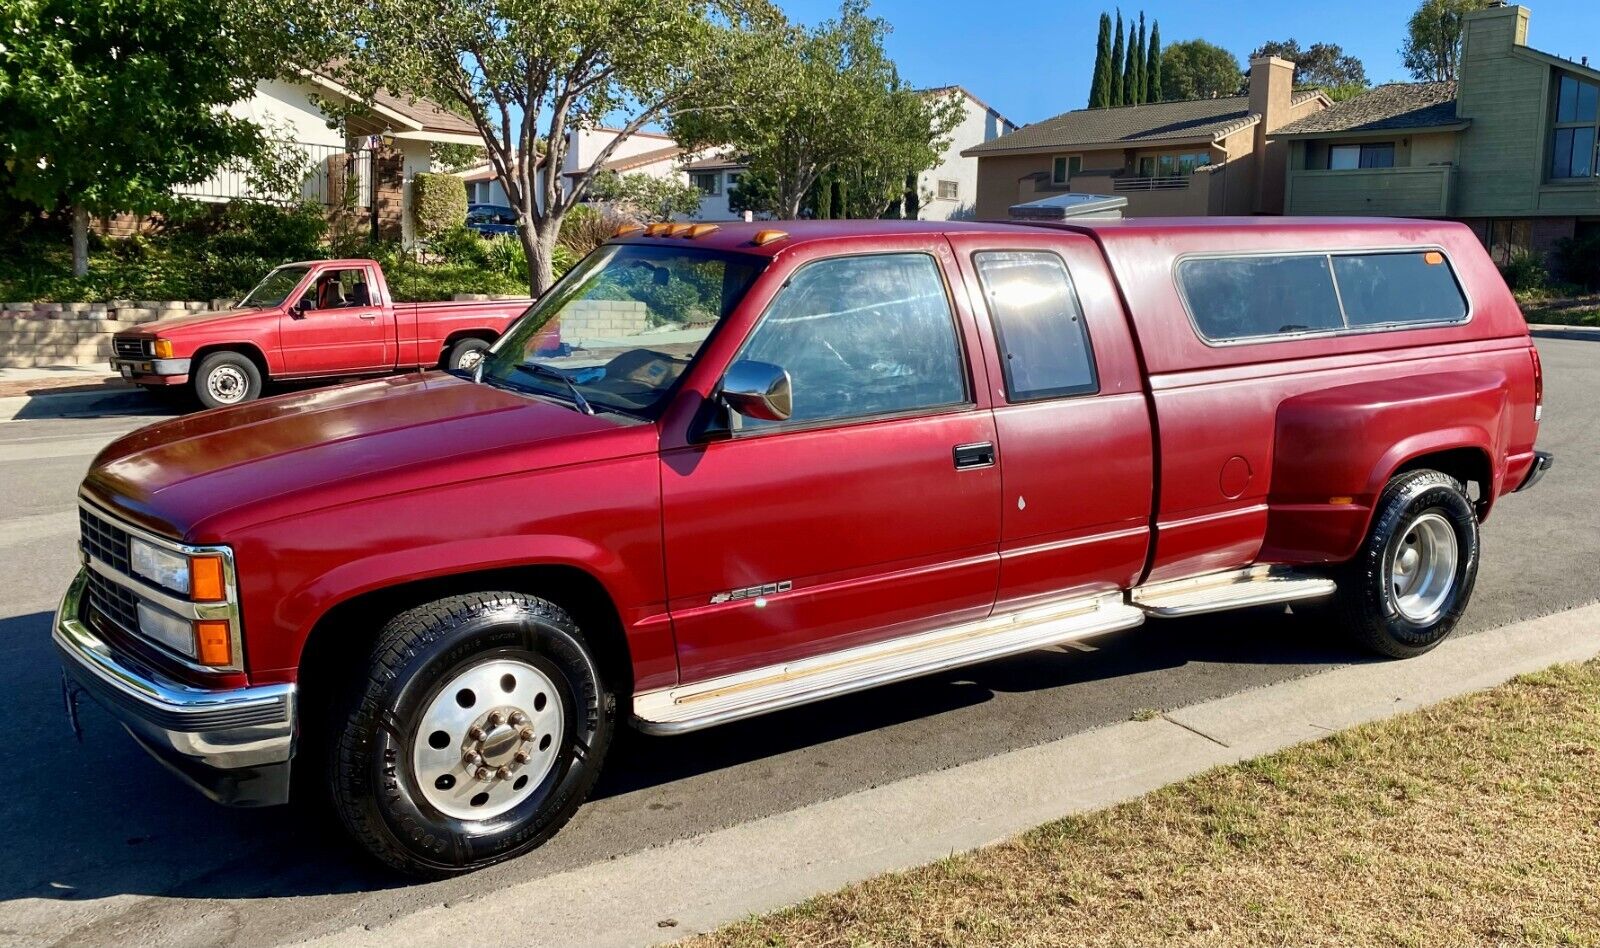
{"x":226,"y":378}
{"x":403,"y":784}
{"x":465,"y":355}
{"x":1413,"y":577}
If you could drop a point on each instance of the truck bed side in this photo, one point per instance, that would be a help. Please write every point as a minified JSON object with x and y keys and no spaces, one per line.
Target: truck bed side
{"x":426,"y":330}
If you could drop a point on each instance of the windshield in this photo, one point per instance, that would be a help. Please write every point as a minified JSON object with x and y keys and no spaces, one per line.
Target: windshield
{"x":618,"y":331}
{"x":275,"y":288}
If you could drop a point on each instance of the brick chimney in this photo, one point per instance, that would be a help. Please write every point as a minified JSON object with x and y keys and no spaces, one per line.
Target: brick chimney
{"x":1271,"y":93}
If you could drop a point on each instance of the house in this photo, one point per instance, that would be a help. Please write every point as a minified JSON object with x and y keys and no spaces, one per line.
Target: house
{"x":643,"y":152}
{"x":361,"y":163}
{"x":1510,"y":147}
{"x":1183,"y":158}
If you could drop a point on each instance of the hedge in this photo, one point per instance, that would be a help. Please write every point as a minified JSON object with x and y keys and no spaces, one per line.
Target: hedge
{"x":439,"y":202}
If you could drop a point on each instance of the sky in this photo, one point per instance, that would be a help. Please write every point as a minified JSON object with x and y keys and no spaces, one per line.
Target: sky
{"x":1032,"y":60}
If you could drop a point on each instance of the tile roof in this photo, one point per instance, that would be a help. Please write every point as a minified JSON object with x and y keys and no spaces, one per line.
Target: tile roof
{"x":1398,"y":105}
{"x":425,"y":112}
{"x":640,"y":160}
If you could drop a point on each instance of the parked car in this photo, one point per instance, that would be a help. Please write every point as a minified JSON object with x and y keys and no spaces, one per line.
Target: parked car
{"x":722,"y":471}
{"x":491,"y":219}
{"x":309,"y":320}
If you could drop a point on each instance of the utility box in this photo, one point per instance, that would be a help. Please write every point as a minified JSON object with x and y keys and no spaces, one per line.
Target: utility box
{"x":1096,"y":207}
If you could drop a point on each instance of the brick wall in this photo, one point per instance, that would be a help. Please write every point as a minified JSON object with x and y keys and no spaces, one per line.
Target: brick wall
{"x":39,"y":334}
{"x":603,"y":319}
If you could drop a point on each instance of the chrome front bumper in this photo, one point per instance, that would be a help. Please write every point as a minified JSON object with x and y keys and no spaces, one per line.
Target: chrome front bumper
{"x":151,"y":366}
{"x":234,"y":744}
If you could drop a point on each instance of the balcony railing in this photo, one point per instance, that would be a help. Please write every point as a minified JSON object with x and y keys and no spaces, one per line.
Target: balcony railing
{"x":1167,"y":183}
{"x":1425,"y":191}
{"x":330,"y":175}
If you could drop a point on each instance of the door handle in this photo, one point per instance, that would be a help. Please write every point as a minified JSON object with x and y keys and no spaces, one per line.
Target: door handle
{"x":974,"y":455}
{"x":367,"y":315}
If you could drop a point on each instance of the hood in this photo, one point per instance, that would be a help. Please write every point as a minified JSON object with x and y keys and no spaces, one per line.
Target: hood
{"x":188,"y":322}
{"x":199,"y":476}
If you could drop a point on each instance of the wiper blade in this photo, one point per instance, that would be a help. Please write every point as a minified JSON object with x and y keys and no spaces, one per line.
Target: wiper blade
{"x":545,"y":371}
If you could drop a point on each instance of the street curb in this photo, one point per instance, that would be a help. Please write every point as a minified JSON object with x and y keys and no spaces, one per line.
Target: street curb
{"x":1558,"y":331}
{"x":697,"y":884}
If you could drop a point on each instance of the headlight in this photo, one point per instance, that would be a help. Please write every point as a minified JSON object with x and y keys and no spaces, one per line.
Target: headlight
{"x":166,"y":628}
{"x":161,"y":567}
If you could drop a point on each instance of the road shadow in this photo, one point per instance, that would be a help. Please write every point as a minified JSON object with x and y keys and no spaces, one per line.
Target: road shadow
{"x":111,"y":403}
{"x":114,"y":822}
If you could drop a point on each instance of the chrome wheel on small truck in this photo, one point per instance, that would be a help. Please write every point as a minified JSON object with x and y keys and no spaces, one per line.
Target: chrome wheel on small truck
{"x":479,"y":731}
{"x":1413,"y":576}
{"x":226,"y":378}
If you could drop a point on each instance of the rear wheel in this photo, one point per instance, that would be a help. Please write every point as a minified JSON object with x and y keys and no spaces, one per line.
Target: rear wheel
{"x":226,"y":378}
{"x":1413,"y":577}
{"x":465,"y":355}
{"x":480,"y":730}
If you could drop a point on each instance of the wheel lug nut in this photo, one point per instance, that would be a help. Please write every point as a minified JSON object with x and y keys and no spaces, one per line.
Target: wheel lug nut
{"x":526,"y":734}
{"x":495,"y":718}
{"x":472,"y":758}
{"x":483,"y":773}
{"x":503,"y":773}
{"x":521,"y":757}
{"x":516,"y":719}
{"x":475,"y":732}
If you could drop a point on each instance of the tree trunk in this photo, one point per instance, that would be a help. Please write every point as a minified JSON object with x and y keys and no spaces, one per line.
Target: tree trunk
{"x":539,"y":244}
{"x":80,"y":241}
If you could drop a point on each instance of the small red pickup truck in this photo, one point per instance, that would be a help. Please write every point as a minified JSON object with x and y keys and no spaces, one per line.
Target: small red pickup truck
{"x":309,"y":320}
{"x":723,"y":471}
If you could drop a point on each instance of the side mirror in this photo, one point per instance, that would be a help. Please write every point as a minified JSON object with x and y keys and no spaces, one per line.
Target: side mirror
{"x":297,"y":310}
{"x":758,"y":390}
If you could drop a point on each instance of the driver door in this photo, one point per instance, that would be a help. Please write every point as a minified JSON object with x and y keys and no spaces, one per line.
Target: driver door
{"x":870,"y":513}
{"x":336,"y":328}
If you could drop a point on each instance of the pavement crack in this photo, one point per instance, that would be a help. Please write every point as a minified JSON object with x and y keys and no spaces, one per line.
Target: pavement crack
{"x":1196,"y":731}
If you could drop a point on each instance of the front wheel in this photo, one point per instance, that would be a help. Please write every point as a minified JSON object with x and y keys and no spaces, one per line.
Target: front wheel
{"x":1413,"y":577}
{"x":226,"y":378}
{"x":479,"y":731}
{"x":465,"y":355}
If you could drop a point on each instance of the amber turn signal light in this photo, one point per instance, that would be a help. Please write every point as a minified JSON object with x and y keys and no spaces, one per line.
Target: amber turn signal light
{"x":205,"y":579}
{"x":764,"y":237}
{"x":700,"y":230}
{"x":1433,"y":258}
{"x":214,"y":644}
{"x":628,"y":230}
{"x":162,"y":349}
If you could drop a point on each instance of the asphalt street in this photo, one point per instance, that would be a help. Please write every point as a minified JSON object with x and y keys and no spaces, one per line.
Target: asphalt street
{"x":104,"y":847}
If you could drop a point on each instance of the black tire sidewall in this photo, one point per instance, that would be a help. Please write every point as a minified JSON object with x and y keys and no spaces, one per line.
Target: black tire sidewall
{"x":210,"y":363}
{"x":1379,"y":621}
{"x":441,"y":844}
{"x":453,"y":358}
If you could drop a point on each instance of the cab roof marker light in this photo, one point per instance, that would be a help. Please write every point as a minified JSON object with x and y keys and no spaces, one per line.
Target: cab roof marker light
{"x":680,"y":230}
{"x":700,"y":230}
{"x":764,"y":237}
{"x":657,"y":230}
{"x":628,"y":230}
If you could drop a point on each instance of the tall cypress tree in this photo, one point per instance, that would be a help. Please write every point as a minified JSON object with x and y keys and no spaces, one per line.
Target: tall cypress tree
{"x":1130,"y":71}
{"x":1152,"y":65}
{"x":1138,"y":65}
{"x":1118,"y":61}
{"x":1100,"y":87}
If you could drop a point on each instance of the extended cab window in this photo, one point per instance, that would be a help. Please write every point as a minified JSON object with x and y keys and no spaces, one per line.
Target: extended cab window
{"x":1044,"y":345}
{"x":862,"y":336}
{"x":1261,"y":297}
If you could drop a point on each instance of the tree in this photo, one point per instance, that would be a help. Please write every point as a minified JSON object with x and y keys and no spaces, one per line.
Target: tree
{"x":1152,"y":66}
{"x":1196,"y":69}
{"x":1130,"y":69}
{"x":528,"y":72}
{"x":646,"y":197}
{"x":1433,"y":38}
{"x":1320,"y":64}
{"x":1100,"y":86}
{"x":1138,"y":65}
{"x":1118,"y":61}
{"x":820,"y":101}
{"x":106,"y":106}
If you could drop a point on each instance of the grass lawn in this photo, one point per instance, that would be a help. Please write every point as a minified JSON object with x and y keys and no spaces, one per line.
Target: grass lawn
{"x":1542,"y":306}
{"x":1473,"y":822}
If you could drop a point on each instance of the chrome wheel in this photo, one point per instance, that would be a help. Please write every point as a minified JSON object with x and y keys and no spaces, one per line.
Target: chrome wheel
{"x":227,"y":384}
{"x":488,"y":739}
{"x":469,"y":360}
{"x":1422,"y":568}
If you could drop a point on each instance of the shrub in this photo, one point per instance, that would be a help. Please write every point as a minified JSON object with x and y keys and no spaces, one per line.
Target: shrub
{"x":438,"y":202}
{"x":1578,"y":259}
{"x":587,"y":226}
{"x":1524,"y":270}
{"x":460,"y":245}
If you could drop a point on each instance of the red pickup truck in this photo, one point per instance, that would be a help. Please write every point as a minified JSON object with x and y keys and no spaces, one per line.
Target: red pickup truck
{"x":722,"y":471}
{"x":309,"y":320}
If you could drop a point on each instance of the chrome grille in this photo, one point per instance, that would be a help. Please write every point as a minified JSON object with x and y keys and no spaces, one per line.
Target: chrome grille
{"x":128,"y":348}
{"x":104,"y":541}
{"x":116,"y":603}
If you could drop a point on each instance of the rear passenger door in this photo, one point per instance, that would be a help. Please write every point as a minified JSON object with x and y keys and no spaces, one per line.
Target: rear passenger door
{"x":1071,"y":417}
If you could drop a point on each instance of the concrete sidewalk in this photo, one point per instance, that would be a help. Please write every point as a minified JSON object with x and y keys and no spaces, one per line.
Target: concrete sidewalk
{"x":698,"y":884}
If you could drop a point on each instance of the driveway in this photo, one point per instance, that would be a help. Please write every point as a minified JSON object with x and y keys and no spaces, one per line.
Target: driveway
{"x":105,"y":847}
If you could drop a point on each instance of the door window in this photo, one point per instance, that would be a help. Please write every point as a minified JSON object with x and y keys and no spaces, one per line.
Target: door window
{"x":1044,"y":345}
{"x":340,"y":289}
{"x":861,"y":336}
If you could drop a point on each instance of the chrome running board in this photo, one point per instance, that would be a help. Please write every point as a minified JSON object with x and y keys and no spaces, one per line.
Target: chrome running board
{"x":1256,"y":586}
{"x":760,"y":690}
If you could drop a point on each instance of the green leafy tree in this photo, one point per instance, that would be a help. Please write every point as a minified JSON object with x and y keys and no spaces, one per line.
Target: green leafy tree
{"x":106,"y":106}
{"x":644,"y":197}
{"x":1432,"y":49}
{"x":1320,"y":64}
{"x":1152,"y":66}
{"x":1196,"y":69}
{"x":824,"y":100}
{"x":1100,"y":85}
{"x":1118,"y":61}
{"x":528,"y":72}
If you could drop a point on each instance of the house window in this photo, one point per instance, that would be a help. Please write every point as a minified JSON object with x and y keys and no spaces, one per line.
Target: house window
{"x":949,"y":190}
{"x":1176,"y":165}
{"x":1064,"y":167}
{"x":709,"y":182}
{"x":1368,"y":155}
{"x":1572,"y":141}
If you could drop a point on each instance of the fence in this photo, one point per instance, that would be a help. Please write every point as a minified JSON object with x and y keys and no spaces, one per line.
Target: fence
{"x":294,"y":172}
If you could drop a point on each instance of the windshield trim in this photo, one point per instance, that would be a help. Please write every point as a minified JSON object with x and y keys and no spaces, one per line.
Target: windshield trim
{"x":293,"y":291}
